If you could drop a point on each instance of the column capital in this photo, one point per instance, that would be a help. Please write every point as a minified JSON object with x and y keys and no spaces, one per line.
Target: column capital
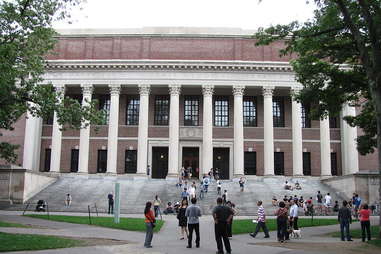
{"x":87,"y":89}
{"x":207,"y":90}
{"x":238,"y":90}
{"x":267,"y":91}
{"x":144,"y":89}
{"x":114,"y":89}
{"x":174,"y":89}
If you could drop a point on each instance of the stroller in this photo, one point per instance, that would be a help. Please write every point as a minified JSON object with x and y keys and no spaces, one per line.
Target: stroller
{"x":41,"y":206}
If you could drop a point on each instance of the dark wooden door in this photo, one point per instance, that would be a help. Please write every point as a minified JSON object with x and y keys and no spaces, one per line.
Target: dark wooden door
{"x":279,"y":163}
{"x":221,"y":161}
{"x":250,"y":163}
{"x":159,"y":162}
{"x":191,"y":159}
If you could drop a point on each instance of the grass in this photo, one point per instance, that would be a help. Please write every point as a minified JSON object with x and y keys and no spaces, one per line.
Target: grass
{"x":131,"y":224}
{"x":356,"y":233}
{"x":12,"y":225}
{"x":247,"y":226}
{"x":19,"y":242}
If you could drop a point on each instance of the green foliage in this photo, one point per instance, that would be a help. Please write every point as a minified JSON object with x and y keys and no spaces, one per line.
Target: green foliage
{"x":246,"y":226}
{"x":131,"y":224}
{"x":26,"y":37}
{"x":19,"y":242}
{"x":337,"y":60}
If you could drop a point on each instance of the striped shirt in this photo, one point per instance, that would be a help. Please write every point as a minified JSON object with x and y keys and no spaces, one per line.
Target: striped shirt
{"x":261,"y":214}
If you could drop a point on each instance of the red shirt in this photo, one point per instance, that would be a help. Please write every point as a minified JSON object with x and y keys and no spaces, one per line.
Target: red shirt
{"x":364,"y":215}
{"x":150,"y":217}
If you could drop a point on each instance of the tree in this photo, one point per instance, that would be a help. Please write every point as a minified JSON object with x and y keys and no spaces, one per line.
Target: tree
{"x":338,"y":60}
{"x":26,"y":38}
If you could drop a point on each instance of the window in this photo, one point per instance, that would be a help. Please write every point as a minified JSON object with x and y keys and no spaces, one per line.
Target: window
{"x":161,"y":110}
{"x":334,"y":164}
{"x":249,"y":111}
{"x":104,"y":104}
{"x":132,"y":113}
{"x":279,"y":163}
{"x":102,"y":161}
{"x":250,"y":163}
{"x":191,"y":108}
{"x":306,"y":120}
{"x":333,"y":122}
{"x":278,"y":111}
{"x":221,"y":111}
{"x":306,"y":163}
{"x":48,"y":153}
{"x":131,"y":161}
{"x":74,"y":160}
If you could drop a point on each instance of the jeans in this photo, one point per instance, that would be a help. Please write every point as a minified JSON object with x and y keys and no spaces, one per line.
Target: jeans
{"x":196,"y":228}
{"x":281,"y":228}
{"x":344,"y":226}
{"x":262,"y":225}
{"x":221,"y":233}
{"x":229,"y":228}
{"x":294,"y":223}
{"x":149,"y":234}
{"x":365,"y":225}
{"x":110,"y":208}
{"x":156,"y":209}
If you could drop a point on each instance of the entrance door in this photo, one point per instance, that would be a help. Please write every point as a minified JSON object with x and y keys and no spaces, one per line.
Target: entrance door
{"x":250,"y":163}
{"x":279,"y":163}
{"x":221,"y":161}
{"x":159,"y":162}
{"x":191,"y":160}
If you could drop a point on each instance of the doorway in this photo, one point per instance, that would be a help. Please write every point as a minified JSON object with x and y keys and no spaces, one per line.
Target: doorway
{"x":221,"y":162}
{"x":191,"y":160}
{"x":159,"y":162}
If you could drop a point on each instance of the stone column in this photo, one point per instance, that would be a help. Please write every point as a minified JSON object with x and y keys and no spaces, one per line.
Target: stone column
{"x":144,"y":91}
{"x":32,"y":142}
{"x":112,"y":141}
{"x":173,"y":160}
{"x":297,"y":143}
{"x":268,"y":130}
{"x":55,"y":162}
{"x":349,"y":152}
{"x":84,"y":134}
{"x":325,"y":147}
{"x":207,"y":129}
{"x":238,"y":131}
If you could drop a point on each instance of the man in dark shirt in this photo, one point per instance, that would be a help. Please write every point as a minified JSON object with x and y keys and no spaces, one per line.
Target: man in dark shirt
{"x":110,"y":198}
{"x":345,"y":218}
{"x":222,"y":216}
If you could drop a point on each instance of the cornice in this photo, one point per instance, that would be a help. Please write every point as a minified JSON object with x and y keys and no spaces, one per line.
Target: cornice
{"x":177,"y":65}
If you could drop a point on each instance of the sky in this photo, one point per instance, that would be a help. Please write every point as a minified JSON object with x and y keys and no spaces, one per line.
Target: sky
{"x":245,"y":14}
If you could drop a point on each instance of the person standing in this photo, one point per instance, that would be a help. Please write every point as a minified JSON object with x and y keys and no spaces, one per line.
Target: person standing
{"x":282,"y":217}
{"x":242,"y":183}
{"x":193,"y":212}
{"x":319,"y":200}
{"x":68,"y":200}
{"x":225,"y":197}
{"x":294,"y":215}
{"x":327,"y":203}
{"x":148,"y":170}
{"x":206,"y":183}
{"x":364,"y":214}
{"x":110,"y":198}
{"x":183,"y":219}
{"x":184,"y":194}
{"x":345,"y":218}
{"x":156,"y":205}
{"x":235,"y":212}
{"x":150,"y":222}
{"x":357,"y":204}
{"x":222,"y":216}
{"x":218,"y":187}
{"x":261,"y":221}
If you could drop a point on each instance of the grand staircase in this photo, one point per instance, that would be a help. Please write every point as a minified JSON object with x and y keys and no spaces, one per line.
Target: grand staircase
{"x":136,"y":191}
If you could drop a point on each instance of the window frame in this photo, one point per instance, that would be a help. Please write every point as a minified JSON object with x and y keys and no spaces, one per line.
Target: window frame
{"x":134,"y":163}
{"x":161,"y":110}
{"x":281,"y":172}
{"x":307,"y":170}
{"x":194,"y":110}
{"x":104,"y":103}
{"x":132,"y":114}
{"x":100,"y":161}
{"x":278,"y":106}
{"x":250,"y":120}
{"x":221,"y":116}
{"x":74,"y":160}
{"x":305,"y":114}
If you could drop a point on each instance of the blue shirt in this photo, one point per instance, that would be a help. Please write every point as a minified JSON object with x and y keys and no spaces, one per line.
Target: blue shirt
{"x":192,"y":213}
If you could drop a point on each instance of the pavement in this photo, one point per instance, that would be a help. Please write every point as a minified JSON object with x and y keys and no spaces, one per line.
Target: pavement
{"x":166,"y":241}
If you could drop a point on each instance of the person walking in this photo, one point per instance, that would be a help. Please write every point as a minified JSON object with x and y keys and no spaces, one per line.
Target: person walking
{"x":294,"y":215}
{"x":183,"y":219}
{"x":206,"y":183}
{"x":68,"y":200}
{"x":222,"y":216}
{"x":156,"y":205}
{"x":261,"y":221}
{"x":282,"y":217}
{"x":150,"y":224}
{"x":364,"y":214}
{"x":193,"y":212}
{"x":110,"y":198}
{"x":345,"y":218}
{"x":218,"y":187}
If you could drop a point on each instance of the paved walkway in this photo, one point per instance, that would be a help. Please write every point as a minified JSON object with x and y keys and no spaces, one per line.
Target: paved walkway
{"x":166,"y":241}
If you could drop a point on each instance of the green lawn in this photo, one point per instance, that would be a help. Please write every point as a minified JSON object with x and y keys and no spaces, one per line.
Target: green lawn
{"x":247,"y":226}
{"x":18,"y":242}
{"x":131,"y":224}
{"x":13,"y":225}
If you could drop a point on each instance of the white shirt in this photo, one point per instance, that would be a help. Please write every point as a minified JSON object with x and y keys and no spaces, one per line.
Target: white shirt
{"x":294,"y":210}
{"x":327,"y":199}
